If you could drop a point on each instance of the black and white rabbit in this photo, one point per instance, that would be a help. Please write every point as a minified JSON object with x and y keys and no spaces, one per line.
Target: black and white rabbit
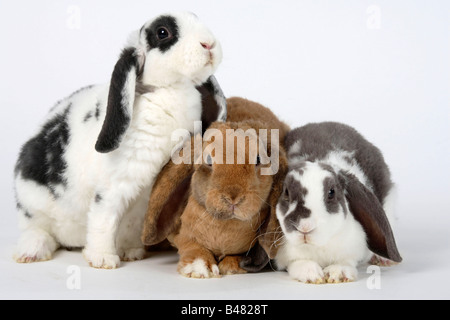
{"x":84,"y":179}
{"x":336,"y":204}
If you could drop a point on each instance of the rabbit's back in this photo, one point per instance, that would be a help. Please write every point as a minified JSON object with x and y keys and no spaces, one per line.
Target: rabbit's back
{"x":315,"y":142}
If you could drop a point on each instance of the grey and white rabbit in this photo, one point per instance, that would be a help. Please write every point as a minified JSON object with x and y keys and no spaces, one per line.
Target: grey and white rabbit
{"x":84,"y":179}
{"x":336,"y":207}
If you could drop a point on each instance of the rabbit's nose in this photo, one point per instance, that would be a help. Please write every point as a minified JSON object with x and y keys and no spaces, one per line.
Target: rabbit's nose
{"x":233,"y":197}
{"x":233,"y":200}
{"x":232,"y":203}
{"x":305,"y":231}
{"x":207,"y":46}
{"x":306,"y":227}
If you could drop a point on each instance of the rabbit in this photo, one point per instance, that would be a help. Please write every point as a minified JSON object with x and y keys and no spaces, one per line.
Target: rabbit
{"x":214,"y":211}
{"x":83,"y":180}
{"x":336,"y":205}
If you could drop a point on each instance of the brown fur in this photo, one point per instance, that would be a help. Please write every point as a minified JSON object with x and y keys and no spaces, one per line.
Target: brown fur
{"x":230,"y":208}
{"x":242,"y":110}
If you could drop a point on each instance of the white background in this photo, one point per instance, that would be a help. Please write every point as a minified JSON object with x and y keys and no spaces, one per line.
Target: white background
{"x":381,"y":66}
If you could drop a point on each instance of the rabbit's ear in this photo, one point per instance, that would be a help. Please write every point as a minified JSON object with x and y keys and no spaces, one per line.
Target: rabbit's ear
{"x":214,"y":104}
{"x":168,"y":199}
{"x":368,"y":211}
{"x":120,"y":100}
{"x":270,"y":231}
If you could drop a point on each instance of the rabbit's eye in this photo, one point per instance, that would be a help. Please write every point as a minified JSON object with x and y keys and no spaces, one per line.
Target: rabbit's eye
{"x":286,"y":193}
{"x":163,"y":33}
{"x":331,"y":194}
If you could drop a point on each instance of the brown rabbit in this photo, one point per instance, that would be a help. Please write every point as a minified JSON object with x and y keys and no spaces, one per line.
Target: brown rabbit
{"x":220,"y":216}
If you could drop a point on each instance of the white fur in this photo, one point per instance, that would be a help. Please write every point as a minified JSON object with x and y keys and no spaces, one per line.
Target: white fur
{"x":199,"y":269}
{"x":336,"y":242}
{"x":123,"y":178}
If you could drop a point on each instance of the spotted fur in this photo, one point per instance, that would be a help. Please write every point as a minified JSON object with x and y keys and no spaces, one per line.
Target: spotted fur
{"x":334,"y":171}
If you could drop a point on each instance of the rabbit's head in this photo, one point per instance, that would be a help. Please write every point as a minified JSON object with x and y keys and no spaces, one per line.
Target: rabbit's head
{"x":176,"y":47}
{"x":235,"y":177}
{"x":173,"y":50}
{"x":317,"y":203}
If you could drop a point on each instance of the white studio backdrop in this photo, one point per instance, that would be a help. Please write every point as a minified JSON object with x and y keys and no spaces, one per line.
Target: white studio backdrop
{"x":381,"y":66}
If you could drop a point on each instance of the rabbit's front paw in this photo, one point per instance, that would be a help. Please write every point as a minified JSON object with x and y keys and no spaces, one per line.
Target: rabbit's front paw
{"x":34,"y":246}
{"x":101,"y":260}
{"x":231,"y":265}
{"x":132,"y":254}
{"x":306,"y":271}
{"x":199,"y":268}
{"x":340,"y":273}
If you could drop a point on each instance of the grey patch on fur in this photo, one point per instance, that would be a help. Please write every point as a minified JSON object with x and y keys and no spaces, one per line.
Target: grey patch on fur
{"x":87,"y":116}
{"x":98,"y":198}
{"x":297,"y":194}
{"x":297,"y":166}
{"x":329,"y":183}
{"x":293,"y":191}
{"x":292,"y":220}
{"x":220,"y":99}
{"x":338,"y":201}
{"x":283,"y":202}
{"x":143,"y":88}
{"x":97,"y":110}
{"x":317,"y":140}
{"x":52,"y":189}
{"x":21,"y":208}
{"x":93,"y":113}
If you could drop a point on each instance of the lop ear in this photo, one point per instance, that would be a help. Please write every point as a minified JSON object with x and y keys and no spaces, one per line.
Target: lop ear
{"x":368,"y":211}
{"x":214,"y":103}
{"x":270,"y":231}
{"x":120,"y":100}
{"x":167,"y":201}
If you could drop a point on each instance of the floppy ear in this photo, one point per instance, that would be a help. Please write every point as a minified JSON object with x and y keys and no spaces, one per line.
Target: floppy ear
{"x":120,"y":100}
{"x":270,"y":231}
{"x":368,"y":211}
{"x":214,"y":103}
{"x":167,"y":201}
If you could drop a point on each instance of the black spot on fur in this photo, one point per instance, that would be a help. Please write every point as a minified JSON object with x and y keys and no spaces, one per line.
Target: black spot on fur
{"x":27,"y":215}
{"x":170,"y":24}
{"x":98,"y":198}
{"x":97,"y":110}
{"x":87,"y":116}
{"x":41,"y":158}
{"x":95,"y":113}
